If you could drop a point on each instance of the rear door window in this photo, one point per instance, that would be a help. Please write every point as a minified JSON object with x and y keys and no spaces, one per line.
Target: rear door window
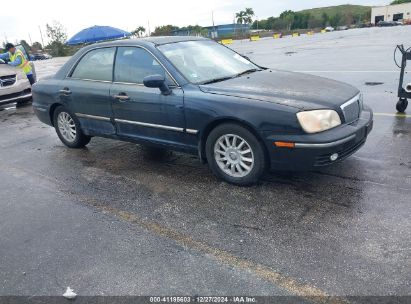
{"x":96,"y":65}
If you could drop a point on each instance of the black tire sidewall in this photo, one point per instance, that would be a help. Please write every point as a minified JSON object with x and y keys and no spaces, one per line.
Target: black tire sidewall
{"x":81,"y":139}
{"x":402,"y":105}
{"x":256,"y":146}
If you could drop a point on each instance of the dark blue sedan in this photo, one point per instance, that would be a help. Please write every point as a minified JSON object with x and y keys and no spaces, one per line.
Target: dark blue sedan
{"x":197,"y":96}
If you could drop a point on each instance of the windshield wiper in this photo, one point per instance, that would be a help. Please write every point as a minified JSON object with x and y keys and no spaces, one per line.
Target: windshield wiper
{"x":217,"y":79}
{"x":230,"y":77}
{"x":247,"y":72}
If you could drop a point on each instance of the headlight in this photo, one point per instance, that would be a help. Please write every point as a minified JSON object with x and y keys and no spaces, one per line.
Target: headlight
{"x":318,"y":120}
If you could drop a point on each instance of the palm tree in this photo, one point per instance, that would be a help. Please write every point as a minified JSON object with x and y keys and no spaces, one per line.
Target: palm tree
{"x":141,"y":30}
{"x":245,"y":16}
{"x":249,"y":12}
{"x":240,"y":16}
{"x":138,"y":32}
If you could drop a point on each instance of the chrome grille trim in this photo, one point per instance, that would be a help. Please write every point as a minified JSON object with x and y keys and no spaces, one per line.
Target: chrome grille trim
{"x":352,"y":109}
{"x":7,"y":81}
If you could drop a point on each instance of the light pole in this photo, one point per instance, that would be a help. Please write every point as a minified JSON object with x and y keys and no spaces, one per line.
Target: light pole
{"x":41,"y":35}
{"x":256,"y":20}
{"x":214,"y":35}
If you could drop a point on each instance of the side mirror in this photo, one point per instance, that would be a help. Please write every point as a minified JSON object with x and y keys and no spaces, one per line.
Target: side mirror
{"x":157,"y":81}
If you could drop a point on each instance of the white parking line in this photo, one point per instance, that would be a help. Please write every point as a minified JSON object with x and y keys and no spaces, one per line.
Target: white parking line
{"x":339,"y":71}
{"x":393,"y":115}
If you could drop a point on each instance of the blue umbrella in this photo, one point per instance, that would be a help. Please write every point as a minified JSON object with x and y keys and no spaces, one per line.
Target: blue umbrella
{"x":97,"y":33}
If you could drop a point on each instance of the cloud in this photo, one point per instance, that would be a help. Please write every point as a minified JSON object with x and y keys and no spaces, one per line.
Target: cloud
{"x":127,"y":14}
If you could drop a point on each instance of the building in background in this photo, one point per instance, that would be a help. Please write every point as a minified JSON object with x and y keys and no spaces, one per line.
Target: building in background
{"x":217,"y":31}
{"x":396,"y":12}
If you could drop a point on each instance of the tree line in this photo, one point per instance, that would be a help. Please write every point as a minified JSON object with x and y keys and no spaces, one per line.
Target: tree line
{"x":167,"y":30}
{"x":289,"y":20}
{"x":400,"y":1}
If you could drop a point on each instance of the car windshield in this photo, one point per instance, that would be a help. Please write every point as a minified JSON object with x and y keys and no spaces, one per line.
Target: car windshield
{"x":204,"y":62}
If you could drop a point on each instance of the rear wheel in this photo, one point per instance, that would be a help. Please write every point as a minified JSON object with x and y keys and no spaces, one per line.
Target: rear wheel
{"x":68,"y":129}
{"x":235,"y":155}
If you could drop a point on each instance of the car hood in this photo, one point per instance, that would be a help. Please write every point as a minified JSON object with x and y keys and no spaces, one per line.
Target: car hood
{"x":6,"y":70}
{"x":302,"y":91}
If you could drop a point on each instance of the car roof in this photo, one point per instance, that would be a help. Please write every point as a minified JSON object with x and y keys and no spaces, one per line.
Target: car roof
{"x":151,"y":40}
{"x":147,"y":42}
{"x":171,"y":39}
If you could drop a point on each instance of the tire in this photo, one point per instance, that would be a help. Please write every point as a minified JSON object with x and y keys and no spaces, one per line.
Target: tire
{"x":23,"y":102}
{"x":240,"y":161}
{"x":68,"y":128}
{"x":402,"y":105}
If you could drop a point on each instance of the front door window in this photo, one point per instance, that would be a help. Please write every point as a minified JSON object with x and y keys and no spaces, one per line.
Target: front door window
{"x":133,"y":64}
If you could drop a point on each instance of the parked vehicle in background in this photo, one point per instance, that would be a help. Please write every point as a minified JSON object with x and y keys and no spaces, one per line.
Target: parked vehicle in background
{"x":363,"y":25}
{"x":41,"y":56}
{"x":197,"y":96}
{"x":388,"y":23}
{"x":329,"y":29}
{"x":14,"y":85}
{"x":38,"y":56}
{"x":342,"y":28}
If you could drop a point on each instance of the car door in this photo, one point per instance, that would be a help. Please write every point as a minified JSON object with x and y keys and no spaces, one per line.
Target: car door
{"x":86,"y":91}
{"x":141,"y":112}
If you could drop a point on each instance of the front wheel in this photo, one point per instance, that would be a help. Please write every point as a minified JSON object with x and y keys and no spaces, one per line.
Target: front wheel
{"x":22,"y":103}
{"x":235,"y":155}
{"x":402,"y":105}
{"x":68,"y":129}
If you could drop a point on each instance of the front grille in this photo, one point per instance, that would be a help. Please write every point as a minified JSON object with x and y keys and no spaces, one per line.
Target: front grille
{"x":352,"y":109}
{"x":347,"y":150}
{"x":6,"y":81}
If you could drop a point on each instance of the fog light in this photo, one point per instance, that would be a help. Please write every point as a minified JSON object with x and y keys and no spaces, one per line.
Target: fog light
{"x":334,"y":157}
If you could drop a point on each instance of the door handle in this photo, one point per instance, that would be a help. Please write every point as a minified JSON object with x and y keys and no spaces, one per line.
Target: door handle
{"x":121,"y":97}
{"x":65,"y":91}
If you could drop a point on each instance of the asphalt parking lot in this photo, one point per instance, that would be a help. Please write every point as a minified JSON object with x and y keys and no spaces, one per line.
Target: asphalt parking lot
{"x":112,"y":219}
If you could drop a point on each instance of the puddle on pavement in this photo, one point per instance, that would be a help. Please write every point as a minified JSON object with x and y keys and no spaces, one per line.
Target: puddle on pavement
{"x":401,"y":132}
{"x":373,"y":83}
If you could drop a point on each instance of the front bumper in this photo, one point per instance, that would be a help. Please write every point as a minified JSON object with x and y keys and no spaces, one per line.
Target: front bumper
{"x":5,"y":99}
{"x":19,"y":91}
{"x":314,"y":150}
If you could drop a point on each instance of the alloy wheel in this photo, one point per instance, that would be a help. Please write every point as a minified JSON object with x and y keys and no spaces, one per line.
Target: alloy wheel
{"x":67,"y":126}
{"x":234,"y":155}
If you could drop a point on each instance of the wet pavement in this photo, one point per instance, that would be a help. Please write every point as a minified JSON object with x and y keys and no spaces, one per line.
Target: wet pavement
{"x":112,"y":219}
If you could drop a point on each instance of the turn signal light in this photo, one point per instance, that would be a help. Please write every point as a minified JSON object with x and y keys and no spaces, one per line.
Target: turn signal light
{"x":284,"y":144}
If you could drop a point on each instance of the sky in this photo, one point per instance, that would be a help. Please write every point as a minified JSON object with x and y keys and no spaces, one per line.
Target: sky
{"x":74,"y":15}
